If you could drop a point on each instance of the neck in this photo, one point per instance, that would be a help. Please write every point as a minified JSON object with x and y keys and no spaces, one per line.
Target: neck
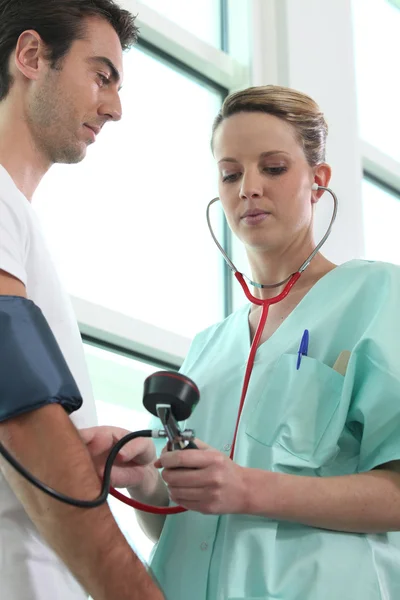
{"x":271,"y":268}
{"x":18,"y":153}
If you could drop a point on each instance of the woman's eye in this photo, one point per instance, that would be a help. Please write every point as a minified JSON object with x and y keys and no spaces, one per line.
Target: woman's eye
{"x":230,"y":178}
{"x":275,"y":170}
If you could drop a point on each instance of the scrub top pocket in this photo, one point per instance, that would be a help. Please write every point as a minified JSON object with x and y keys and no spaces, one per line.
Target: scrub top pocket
{"x":296,"y":406}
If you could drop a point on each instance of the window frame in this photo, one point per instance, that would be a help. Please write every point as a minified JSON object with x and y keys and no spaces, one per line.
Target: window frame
{"x":380,"y":167}
{"x":384,"y":186}
{"x":223,"y":71}
{"x":377,"y":165}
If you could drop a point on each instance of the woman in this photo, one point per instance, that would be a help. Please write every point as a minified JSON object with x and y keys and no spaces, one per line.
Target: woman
{"x":307,"y":507}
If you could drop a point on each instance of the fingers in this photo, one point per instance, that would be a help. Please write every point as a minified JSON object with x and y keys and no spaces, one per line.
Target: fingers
{"x":140,"y":450}
{"x":185,"y":495}
{"x":159,"y":463}
{"x":188,"y":478}
{"x":102,"y":437}
{"x":101,"y":440}
{"x":189,"y":459}
{"x":127,"y":452}
{"x":87,"y":434}
{"x":201,"y":445}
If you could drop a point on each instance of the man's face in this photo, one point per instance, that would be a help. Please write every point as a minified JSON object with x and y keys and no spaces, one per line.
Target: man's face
{"x":67,"y":107}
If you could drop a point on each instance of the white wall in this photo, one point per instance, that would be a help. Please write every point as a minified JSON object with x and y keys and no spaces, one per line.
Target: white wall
{"x":308,"y":45}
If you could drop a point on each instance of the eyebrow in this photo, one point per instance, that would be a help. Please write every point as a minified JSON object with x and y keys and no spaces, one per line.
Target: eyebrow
{"x":262,"y":155}
{"x":115,"y":74}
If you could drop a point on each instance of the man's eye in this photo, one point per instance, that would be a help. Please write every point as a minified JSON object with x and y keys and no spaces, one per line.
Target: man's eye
{"x":104,"y":80}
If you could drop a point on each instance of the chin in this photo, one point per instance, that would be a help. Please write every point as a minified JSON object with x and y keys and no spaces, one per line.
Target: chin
{"x":259,"y":238}
{"x":71,"y":156}
{"x":263,"y":243}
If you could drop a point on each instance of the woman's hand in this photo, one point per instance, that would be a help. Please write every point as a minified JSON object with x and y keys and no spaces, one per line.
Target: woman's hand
{"x":204,"y":480}
{"x":133,"y":466}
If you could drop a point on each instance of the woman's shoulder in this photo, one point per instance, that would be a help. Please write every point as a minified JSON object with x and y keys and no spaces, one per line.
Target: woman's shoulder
{"x":222,"y":331}
{"x":370,"y":272}
{"x":220,"y":327}
{"x":370,"y":290}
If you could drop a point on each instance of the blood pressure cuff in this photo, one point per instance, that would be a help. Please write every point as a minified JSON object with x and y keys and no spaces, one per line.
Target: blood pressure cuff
{"x":33,"y":371}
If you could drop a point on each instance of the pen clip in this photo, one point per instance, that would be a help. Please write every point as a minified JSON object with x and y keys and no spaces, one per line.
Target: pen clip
{"x":303,"y":349}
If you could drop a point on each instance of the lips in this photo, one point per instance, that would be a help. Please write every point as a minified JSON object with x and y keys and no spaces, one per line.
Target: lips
{"x":96,"y":130}
{"x":255,"y":212}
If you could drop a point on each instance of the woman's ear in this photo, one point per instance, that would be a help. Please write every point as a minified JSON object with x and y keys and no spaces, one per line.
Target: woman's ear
{"x":322,"y":177}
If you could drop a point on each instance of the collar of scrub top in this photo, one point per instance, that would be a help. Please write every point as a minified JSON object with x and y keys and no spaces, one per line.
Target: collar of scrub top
{"x":267,"y":302}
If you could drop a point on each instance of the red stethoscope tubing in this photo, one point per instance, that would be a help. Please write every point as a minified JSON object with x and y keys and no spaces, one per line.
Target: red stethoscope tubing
{"x":155,"y":510}
{"x":265,"y":304}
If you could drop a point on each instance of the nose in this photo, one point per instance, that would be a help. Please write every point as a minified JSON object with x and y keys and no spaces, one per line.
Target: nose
{"x":251,"y":186}
{"x":112,"y":107}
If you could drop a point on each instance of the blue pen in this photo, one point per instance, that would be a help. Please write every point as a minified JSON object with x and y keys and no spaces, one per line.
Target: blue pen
{"x":303,"y":349}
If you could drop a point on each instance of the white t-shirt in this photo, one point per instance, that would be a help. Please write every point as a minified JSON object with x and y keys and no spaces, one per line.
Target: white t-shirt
{"x":29,"y":569}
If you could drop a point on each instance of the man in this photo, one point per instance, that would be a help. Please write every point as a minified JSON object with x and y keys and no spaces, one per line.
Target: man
{"x":60,"y":75}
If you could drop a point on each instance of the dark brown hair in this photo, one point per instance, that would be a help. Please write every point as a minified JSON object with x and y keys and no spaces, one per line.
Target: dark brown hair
{"x":59,"y":23}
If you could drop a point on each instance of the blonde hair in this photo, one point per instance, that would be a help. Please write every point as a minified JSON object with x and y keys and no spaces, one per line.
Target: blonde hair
{"x":294,"y":107}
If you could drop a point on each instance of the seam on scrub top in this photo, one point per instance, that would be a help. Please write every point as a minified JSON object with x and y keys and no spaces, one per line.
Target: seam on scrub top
{"x":376,"y":570}
{"x":308,"y":460}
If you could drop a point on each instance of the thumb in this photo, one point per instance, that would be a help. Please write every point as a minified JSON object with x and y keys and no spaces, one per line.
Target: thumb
{"x":201,"y":445}
{"x":87,"y":434}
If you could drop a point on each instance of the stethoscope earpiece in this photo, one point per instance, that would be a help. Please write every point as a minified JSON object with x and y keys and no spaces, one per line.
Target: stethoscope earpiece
{"x":314,"y":187}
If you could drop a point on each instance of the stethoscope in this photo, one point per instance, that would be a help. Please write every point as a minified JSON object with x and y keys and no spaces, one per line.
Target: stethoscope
{"x":172,"y":396}
{"x":266,"y":303}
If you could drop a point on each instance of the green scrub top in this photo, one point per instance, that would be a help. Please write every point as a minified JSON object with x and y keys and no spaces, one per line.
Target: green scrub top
{"x":312,"y":421}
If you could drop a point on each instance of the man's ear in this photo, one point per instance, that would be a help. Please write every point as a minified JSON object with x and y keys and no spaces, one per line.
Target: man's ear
{"x":30,"y":54}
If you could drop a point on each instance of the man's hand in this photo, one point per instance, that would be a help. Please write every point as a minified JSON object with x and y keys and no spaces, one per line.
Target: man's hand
{"x":134,"y":463}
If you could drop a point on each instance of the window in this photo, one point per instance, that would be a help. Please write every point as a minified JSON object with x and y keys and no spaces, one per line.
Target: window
{"x":377,"y":26}
{"x":200,"y":17}
{"x":127,"y":226}
{"x":117,"y":381}
{"x":381,"y":222}
{"x":377,"y":45}
{"x":128,"y":223}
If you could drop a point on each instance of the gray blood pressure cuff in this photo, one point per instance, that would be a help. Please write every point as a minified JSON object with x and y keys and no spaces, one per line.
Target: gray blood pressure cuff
{"x":33,"y":371}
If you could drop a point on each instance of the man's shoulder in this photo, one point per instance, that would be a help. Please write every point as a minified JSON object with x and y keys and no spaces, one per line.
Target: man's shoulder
{"x":12,"y":201}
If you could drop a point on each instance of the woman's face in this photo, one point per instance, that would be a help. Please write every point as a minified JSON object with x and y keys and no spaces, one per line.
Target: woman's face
{"x":264,"y":180}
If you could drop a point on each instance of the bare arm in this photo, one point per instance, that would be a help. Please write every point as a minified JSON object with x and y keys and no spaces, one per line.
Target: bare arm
{"x":155,"y":493}
{"x":362,"y":503}
{"x":87,"y":540}
{"x":209,"y":482}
